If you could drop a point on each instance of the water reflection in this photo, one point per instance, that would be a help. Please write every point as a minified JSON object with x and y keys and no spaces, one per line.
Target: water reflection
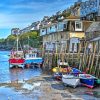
{"x":93,"y":93}
{"x":15,"y":74}
{"x":20,"y":74}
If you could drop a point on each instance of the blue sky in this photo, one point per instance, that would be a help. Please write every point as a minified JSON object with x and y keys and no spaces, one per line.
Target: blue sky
{"x":21,"y":13}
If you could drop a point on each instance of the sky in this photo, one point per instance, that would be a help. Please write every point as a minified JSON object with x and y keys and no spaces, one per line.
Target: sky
{"x":21,"y":13}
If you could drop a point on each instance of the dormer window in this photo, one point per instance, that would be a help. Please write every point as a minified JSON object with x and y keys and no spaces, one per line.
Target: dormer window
{"x":78,"y":26}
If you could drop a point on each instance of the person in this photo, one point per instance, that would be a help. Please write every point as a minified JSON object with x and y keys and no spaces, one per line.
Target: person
{"x":89,"y":48}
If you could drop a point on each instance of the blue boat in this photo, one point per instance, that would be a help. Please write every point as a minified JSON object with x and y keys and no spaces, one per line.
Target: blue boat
{"x":32,"y":58}
{"x":88,"y":80}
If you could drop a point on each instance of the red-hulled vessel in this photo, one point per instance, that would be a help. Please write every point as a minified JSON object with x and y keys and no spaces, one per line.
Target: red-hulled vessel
{"x":16,"y":56}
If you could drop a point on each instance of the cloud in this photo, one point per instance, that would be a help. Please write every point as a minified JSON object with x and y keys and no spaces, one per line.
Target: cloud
{"x":21,"y":13}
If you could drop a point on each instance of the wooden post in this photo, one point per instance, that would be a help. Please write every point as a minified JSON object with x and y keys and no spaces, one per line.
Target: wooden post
{"x":84,"y":55}
{"x":78,"y":55}
{"x":99,"y":71}
{"x":97,"y":61}
{"x":93,"y":58}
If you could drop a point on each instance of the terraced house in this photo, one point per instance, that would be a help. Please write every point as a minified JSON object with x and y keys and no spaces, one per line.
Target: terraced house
{"x":90,"y":10}
{"x":64,"y":35}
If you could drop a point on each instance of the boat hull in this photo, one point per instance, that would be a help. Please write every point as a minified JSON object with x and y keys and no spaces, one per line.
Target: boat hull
{"x":14,"y":61}
{"x":35,"y":60}
{"x":58,"y":76}
{"x":70,"y":80}
{"x":88,"y":80}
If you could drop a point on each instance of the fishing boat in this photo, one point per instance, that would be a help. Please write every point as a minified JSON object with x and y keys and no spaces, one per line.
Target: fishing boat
{"x":57,"y":76}
{"x":88,"y":80}
{"x":32,"y":59}
{"x":70,"y":80}
{"x":16,"y":56}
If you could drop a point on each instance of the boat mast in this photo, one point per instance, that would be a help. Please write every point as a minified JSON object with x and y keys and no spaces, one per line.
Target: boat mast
{"x":17,"y":41}
{"x":28,"y":43}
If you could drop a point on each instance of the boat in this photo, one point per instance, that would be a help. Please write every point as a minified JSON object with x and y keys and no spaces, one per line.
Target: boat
{"x":57,"y":76}
{"x":75,"y":71}
{"x":32,"y":59}
{"x":16,"y":56}
{"x":70,"y":80}
{"x":88,"y":80}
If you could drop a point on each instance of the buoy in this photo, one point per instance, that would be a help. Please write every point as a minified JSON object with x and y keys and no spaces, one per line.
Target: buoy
{"x":56,"y":69}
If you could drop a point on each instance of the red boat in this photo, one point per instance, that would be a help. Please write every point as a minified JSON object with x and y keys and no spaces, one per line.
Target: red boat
{"x":16,"y":58}
{"x":14,"y":61}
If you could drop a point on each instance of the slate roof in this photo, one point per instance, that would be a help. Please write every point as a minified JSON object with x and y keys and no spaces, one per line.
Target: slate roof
{"x":94,"y":27}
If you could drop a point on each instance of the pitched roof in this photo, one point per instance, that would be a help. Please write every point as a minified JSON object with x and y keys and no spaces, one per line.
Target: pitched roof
{"x":95,"y":26}
{"x":71,"y":17}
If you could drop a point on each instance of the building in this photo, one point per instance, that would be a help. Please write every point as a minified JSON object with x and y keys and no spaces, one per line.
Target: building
{"x":25,"y":30}
{"x":14,"y":31}
{"x":93,"y":35}
{"x":90,"y":9}
{"x":64,"y":35}
{"x":75,"y":9}
{"x":35,"y":25}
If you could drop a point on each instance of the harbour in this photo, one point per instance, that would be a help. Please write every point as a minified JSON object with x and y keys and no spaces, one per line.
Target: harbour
{"x":35,"y":84}
{"x":50,"y":50}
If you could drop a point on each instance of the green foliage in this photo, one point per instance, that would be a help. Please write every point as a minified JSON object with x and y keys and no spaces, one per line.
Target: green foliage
{"x":66,"y":14}
{"x":11,"y":38}
{"x":32,"y":38}
{"x":2,"y":40}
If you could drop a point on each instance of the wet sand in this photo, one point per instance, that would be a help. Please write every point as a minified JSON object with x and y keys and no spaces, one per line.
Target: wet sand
{"x":44,"y":87}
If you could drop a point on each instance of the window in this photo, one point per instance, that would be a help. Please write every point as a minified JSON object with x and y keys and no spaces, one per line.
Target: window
{"x":78,"y":26}
{"x":50,"y":28}
{"x":42,"y":30}
{"x":55,"y":26}
{"x":65,"y":26}
{"x":73,"y":46}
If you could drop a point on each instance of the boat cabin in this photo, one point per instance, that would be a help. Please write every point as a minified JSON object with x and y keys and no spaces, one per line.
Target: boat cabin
{"x":33,"y":55}
{"x":17,"y":54}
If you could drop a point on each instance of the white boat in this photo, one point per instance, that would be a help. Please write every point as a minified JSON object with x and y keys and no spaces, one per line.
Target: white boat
{"x":70,"y":80}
